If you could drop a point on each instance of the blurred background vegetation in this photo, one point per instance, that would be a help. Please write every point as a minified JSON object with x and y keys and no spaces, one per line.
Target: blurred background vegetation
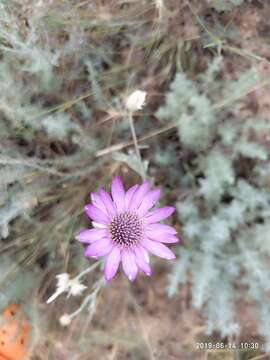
{"x":66,"y":68}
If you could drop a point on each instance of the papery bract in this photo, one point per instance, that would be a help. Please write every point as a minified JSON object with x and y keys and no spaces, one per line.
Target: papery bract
{"x":135,"y":101}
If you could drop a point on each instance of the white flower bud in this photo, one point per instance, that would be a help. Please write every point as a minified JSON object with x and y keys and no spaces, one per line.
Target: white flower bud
{"x":65,"y":320}
{"x":135,"y":101}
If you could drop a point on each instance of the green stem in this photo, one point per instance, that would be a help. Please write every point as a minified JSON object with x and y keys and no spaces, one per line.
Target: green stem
{"x":135,"y":141}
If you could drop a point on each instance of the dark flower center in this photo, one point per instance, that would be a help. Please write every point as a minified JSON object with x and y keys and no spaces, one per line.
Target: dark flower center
{"x":126,"y":229}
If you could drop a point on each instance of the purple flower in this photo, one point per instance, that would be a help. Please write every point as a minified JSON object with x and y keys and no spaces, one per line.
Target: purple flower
{"x":124,"y":229}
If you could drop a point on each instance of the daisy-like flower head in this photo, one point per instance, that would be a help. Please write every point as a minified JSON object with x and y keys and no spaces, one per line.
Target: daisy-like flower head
{"x":125,"y":230}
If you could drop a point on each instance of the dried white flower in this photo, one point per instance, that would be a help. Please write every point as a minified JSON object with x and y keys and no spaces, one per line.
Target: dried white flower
{"x":135,"y":101}
{"x":65,"y":320}
{"x":75,"y":287}
{"x":65,"y":284}
{"x":62,"y":281}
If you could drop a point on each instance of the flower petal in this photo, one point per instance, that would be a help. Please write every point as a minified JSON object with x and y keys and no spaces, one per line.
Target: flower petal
{"x":91,"y":235}
{"x":158,"y":249}
{"x":129,"y":195}
{"x":112,"y":263}
{"x":98,"y":225}
{"x":99,"y":248}
{"x":149,"y":200}
{"x":165,"y":238}
{"x":145,"y":253}
{"x":141,"y":261}
{"x":96,"y":214}
{"x":159,"y":229}
{"x":118,"y":193}
{"x":159,"y":214}
{"x":107,"y":201}
{"x":129,"y":264}
{"x":138,"y":196}
{"x":96,"y":200}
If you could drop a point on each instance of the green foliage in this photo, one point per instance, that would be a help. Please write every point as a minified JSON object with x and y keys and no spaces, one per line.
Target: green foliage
{"x":225,"y":5}
{"x":58,"y":126}
{"x":132,"y":161}
{"x":43,"y":142}
{"x":225,"y":212}
{"x":16,"y":285}
{"x":190,"y":107}
{"x":60,"y":77}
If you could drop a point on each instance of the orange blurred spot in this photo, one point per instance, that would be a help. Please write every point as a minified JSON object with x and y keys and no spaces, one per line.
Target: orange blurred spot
{"x":14,"y":334}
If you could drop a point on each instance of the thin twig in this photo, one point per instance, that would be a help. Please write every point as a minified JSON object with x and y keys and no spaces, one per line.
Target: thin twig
{"x":14,"y":161}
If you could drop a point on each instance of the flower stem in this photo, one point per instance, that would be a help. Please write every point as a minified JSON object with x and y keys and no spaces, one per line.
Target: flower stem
{"x":90,"y":299}
{"x":88,"y":270}
{"x":135,"y":141}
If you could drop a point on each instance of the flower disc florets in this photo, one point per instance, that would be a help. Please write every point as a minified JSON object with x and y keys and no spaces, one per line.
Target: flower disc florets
{"x":126,"y":229}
